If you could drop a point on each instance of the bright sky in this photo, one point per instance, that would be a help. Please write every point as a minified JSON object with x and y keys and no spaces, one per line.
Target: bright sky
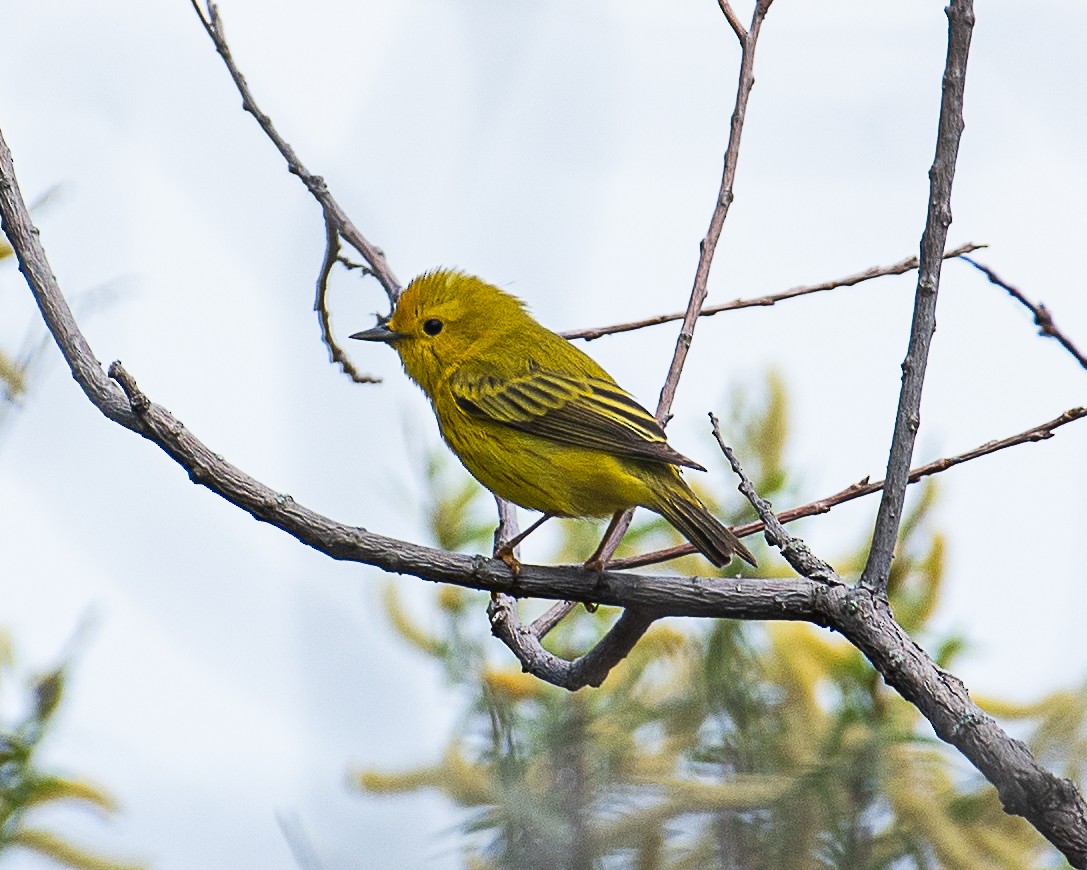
{"x":569,"y":152}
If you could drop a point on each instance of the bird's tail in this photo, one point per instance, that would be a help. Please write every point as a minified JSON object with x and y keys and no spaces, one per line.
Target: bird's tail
{"x":681,"y":507}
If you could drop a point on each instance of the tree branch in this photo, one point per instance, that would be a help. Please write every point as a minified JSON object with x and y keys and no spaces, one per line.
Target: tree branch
{"x":315,"y":184}
{"x":1042,"y":318}
{"x":733,"y":20}
{"x":525,"y":643}
{"x":907,"y":264}
{"x":725,"y":195}
{"x":588,"y":670}
{"x":795,"y":551}
{"x":708,"y":245}
{"x":23,"y":235}
{"x":335,"y":352}
{"x":1042,"y":432}
{"x":1052,"y":805}
{"x":960,"y":16}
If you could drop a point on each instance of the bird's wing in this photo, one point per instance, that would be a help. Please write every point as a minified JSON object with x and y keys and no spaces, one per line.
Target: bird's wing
{"x":583,"y":411}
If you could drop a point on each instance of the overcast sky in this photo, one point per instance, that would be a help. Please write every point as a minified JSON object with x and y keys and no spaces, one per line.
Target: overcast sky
{"x":570,"y":152}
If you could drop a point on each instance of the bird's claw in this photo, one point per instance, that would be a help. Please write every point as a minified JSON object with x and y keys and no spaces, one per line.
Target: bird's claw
{"x":505,"y":553}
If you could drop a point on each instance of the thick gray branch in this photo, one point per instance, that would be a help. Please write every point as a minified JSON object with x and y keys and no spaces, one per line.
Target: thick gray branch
{"x":23,"y":235}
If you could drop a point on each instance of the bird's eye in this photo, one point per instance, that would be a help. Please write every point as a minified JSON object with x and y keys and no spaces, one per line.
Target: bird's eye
{"x":432,"y":326}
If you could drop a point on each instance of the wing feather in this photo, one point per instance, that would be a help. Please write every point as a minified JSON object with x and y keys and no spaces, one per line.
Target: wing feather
{"x":586,"y":411}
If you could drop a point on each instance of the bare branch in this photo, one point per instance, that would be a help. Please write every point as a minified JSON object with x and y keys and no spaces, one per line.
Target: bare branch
{"x":1042,"y":318}
{"x":556,"y":614}
{"x":315,"y":184}
{"x":707,"y":248}
{"x":1041,"y":432}
{"x":708,"y":245}
{"x":588,"y":670}
{"x":526,"y":644}
{"x":960,"y":16}
{"x":733,"y":20}
{"x":795,"y":551}
{"x":34,"y":265}
{"x":335,"y":352}
{"x":1052,"y":805}
{"x":907,"y":264}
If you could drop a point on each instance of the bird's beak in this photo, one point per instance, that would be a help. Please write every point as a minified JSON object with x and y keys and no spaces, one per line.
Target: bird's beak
{"x":381,"y":332}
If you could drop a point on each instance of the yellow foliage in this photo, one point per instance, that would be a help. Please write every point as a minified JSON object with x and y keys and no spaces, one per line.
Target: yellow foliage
{"x":512,"y":684}
{"x":407,"y":627}
{"x":53,"y":788}
{"x":51,"y":846}
{"x":464,"y":781}
{"x":452,"y":599}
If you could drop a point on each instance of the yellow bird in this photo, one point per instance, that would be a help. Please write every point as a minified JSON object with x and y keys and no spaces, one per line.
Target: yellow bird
{"x":534,"y":418}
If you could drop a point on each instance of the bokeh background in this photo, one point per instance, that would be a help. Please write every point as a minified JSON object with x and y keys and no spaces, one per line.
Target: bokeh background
{"x":224,"y":678}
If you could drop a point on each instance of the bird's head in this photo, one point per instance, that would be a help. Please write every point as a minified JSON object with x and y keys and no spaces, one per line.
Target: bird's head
{"x":443,"y":318}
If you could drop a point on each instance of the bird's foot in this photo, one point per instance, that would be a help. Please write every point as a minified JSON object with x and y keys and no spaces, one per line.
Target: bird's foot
{"x":505,"y":553}
{"x":598,"y":566}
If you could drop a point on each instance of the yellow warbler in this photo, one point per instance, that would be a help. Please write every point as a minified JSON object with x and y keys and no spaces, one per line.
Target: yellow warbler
{"x":534,"y":418}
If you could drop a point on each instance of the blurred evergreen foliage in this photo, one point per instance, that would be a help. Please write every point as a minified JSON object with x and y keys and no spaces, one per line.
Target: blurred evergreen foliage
{"x":12,"y":374}
{"x":26,"y":789}
{"x":715,"y":744}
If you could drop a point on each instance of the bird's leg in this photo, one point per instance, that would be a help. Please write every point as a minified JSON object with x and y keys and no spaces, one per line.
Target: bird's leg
{"x":505,"y":552}
{"x":596,"y":561}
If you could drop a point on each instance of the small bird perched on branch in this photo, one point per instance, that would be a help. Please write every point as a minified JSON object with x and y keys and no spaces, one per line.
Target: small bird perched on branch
{"x":535,"y":419}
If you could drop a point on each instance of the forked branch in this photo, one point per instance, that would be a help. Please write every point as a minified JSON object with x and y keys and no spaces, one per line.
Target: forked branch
{"x":1053,"y":805}
{"x":315,"y":184}
{"x":336,"y":353}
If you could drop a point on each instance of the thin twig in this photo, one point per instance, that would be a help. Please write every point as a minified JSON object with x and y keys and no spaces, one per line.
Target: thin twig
{"x":315,"y":184}
{"x":795,"y":551}
{"x":865,"y":487}
{"x":907,"y":264}
{"x":507,"y":525}
{"x":335,"y":352}
{"x":960,"y":16}
{"x":1042,"y":318}
{"x":707,"y":247}
{"x":543,"y":624}
{"x":733,"y":20}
